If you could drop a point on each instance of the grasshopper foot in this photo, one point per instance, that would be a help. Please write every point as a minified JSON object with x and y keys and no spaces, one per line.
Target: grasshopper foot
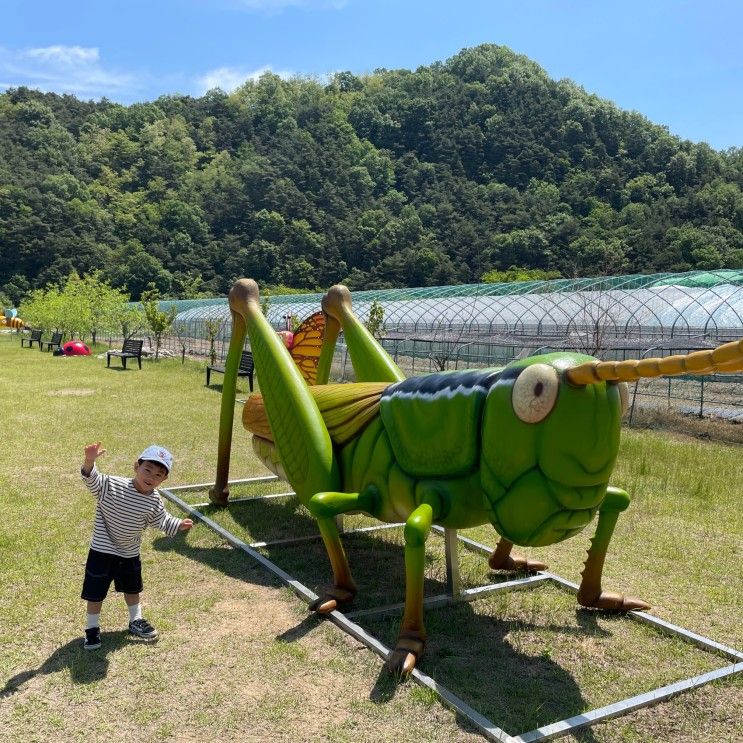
{"x":333,"y":598}
{"x":514,"y":562}
{"x":409,"y":648}
{"x":613,"y":602}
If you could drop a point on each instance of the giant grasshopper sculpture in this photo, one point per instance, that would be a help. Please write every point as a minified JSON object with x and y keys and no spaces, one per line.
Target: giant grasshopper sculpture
{"x":529,"y":448}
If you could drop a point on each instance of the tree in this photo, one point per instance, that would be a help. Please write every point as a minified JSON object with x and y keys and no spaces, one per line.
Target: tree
{"x":395,"y":178}
{"x":213,"y":328}
{"x":130,"y":321}
{"x":182,"y":334}
{"x":16,"y":288}
{"x":515,"y":273}
{"x":74,"y":311}
{"x":105,"y":304}
{"x":375,"y":322}
{"x":40,"y":308}
{"x":134,"y":270}
{"x":157,"y":320}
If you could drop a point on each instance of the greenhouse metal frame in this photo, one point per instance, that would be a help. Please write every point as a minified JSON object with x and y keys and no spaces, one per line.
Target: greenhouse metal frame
{"x":701,"y":308}
{"x":485,"y":325}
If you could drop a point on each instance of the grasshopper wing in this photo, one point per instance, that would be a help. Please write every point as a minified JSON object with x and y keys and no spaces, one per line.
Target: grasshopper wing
{"x":305,"y":349}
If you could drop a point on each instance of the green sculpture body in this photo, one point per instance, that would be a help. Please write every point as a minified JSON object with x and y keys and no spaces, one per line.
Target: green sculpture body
{"x":528,"y":448}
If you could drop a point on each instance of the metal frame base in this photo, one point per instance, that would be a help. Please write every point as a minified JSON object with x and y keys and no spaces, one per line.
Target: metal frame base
{"x":454,"y":595}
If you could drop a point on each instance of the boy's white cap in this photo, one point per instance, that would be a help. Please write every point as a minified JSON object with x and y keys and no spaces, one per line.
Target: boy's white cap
{"x":159,"y":454}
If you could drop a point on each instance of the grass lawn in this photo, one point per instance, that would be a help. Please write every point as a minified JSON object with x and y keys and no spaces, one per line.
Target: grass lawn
{"x":239,"y":657}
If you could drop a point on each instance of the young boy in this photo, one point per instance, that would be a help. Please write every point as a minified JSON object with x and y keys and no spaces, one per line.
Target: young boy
{"x":126,"y":506}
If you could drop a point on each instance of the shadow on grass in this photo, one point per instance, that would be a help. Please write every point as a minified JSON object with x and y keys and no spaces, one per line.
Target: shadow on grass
{"x":309,"y":623}
{"x":85,"y":666}
{"x":268,"y":520}
{"x":475,"y":654}
{"x":230,"y":562}
{"x":478,"y":658}
{"x":217,"y":387}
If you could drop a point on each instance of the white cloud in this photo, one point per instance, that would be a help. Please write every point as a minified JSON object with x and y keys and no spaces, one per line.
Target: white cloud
{"x":65,"y":69}
{"x":230,"y":78}
{"x":66,"y":55}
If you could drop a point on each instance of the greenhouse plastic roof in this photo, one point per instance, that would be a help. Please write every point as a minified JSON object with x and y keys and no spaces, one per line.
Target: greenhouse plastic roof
{"x":707,"y":301}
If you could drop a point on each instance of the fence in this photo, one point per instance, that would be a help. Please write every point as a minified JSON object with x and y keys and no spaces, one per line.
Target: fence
{"x":715,"y":395}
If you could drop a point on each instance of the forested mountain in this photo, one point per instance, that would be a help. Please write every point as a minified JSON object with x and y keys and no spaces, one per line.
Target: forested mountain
{"x":396,"y":178}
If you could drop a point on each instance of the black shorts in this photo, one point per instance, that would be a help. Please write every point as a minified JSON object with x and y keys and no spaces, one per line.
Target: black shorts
{"x":102,"y":568}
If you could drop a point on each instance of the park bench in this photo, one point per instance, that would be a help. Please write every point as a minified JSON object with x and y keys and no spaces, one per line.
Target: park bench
{"x":244,"y":370}
{"x":132,"y":349}
{"x":55,"y":342}
{"x":35,"y":337}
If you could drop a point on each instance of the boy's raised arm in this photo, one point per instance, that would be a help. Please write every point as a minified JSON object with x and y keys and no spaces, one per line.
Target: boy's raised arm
{"x":92,"y":452}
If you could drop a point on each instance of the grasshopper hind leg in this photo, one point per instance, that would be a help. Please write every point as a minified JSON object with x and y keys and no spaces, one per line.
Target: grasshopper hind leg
{"x":301,"y":439}
{"x":371,"y":363}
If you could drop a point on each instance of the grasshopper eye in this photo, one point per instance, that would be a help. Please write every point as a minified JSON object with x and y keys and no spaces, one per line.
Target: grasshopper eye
{"x":534,"y":393}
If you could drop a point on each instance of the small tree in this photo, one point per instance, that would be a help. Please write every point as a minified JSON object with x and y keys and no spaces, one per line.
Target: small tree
{"x":181,"y":332}
{"x":375,"y":321}
{"x":130,"y":321}
{"x":157,"y":320}
{"x":104,"y":302}
{"x":213,"y":329}
{"x":81,"y":307}
{"x":292,"y":322}
{"x":592,"y":321}
{"x":40,"y":308}
{"x":74,"y":308}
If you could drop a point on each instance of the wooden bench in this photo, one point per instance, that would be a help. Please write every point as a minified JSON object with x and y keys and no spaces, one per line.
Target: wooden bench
{"x":55,"y":342}
{"x":244,"y":370}
{"x":35,"y":337}
{"x":132,"y":349}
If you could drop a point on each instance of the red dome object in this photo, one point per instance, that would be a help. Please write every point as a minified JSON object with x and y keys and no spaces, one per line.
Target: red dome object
{"x":75,"y":348}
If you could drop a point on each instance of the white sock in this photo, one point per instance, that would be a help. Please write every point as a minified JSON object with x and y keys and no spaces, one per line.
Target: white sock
{"x":135,"y":612}
{"x":93,"y":621}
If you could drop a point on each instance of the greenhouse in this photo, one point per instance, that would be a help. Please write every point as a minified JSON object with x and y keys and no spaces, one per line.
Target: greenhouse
{"x":482,"y":325}
{"x":686,"y":310}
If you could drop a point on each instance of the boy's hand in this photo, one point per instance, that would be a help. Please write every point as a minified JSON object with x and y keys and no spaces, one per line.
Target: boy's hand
{"x":92,"y":452}
{"x":186,"y":524}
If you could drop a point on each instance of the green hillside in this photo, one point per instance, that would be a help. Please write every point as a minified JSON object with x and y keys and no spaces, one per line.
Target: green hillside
{"x":397,"y":178}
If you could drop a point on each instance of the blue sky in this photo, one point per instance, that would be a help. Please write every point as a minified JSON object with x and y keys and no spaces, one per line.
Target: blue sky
{"x":678,"y":63}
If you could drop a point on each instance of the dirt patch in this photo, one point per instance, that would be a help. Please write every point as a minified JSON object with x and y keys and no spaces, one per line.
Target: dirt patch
{"x":707,"y":428}
{"x":72,"y":392}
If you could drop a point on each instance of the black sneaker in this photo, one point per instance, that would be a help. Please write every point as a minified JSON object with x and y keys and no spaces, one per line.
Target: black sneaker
{"x":142,"y":628}
{"x":92,"y":638}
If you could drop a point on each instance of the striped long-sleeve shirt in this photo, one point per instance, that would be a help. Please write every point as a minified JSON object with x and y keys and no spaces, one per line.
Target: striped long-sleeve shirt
{"x":123,"y":513}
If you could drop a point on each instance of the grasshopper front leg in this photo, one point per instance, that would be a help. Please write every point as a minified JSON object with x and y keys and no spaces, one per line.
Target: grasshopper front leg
{"x":590,"y":592}
{"x":219,"y":493}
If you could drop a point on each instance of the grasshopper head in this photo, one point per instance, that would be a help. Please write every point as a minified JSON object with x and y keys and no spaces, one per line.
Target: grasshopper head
{"x":548,"y":448}
{"x":551,"y":433}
